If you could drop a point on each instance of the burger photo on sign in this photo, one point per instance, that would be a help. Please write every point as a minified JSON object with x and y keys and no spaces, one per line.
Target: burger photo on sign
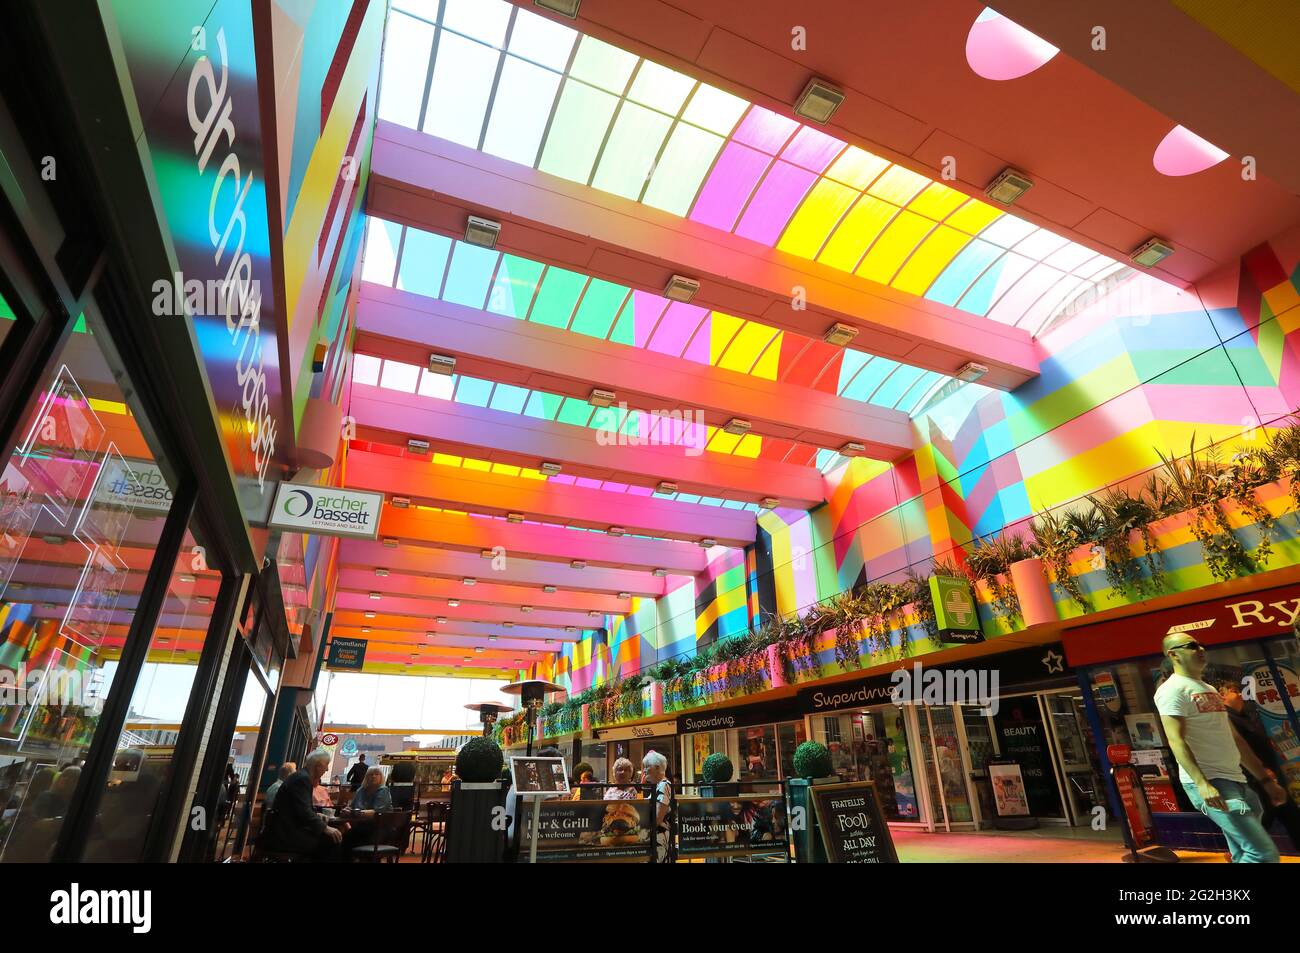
{"x":621,"y":825}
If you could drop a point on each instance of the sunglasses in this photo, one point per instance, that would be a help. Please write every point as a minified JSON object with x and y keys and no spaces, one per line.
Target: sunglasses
{"x":1187,"y":645}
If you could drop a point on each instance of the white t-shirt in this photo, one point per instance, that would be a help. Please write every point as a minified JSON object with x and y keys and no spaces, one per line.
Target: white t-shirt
{"x":1206,"y":728}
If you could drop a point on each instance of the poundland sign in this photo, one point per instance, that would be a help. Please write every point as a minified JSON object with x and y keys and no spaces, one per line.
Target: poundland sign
{"x":327,"y":511}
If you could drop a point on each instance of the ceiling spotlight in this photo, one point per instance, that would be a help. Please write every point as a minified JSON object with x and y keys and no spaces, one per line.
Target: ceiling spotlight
{"x":736,"y":426}
{"x":578,"y":564}
{"x":594,"y":613}
{"x":1007,"y":186}
{"x":818,"y":101}
{"x":570,"y":629}
{"x":53,"y":539}
{"x":525,"y":608}
{"x":486,"y":553}
{"x":1151,"y":252}
{"x":514,"y":517}
{"x":550,"y":468}
{"x":492,"y":638}
{"x":681,"y":289}
{"x":482,"y":232}
{"x":400,"y":502}
{"x":548,"y":589}
{"x":203,"y":600}
{"x":565,"y":8}
{"x":532,"y":651}
{"x":853,"y":449}
{"x":508,"y":625}
{"x":708,"y":543}
{"x":659,"y":572}
{"x":625,"y":595}
{"x":971,"y":372}
{"x":417,"y":446}
{"x":376,"y":595}
{"x":364,"y":631}
{"x":478,"y":648}
{"x":441,"y":620}
{"x":429,"y":635}
{"x":616,"y":531}
{"x":390,"y":542}
{"x":370,"y":615}
{"x":186,"y":577}
{"x":467,"y":659}
{"x":600,"y":398}
{"x":550,"y":641}
{"x":453,"y":602}
{"x":442,"y":364}
{"x":381,"y":573}
{"x":839,"y":335}
{"x":769,"y":502}
{"x":665,"y":487}
{"x":469,"y":580}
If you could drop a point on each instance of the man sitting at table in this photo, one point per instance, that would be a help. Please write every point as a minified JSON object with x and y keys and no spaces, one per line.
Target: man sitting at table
{"x":294,"y":826}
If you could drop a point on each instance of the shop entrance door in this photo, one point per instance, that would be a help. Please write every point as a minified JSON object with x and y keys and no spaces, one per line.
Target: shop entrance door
{"x":947,"y":770}
{"x":1072,"y":740}
{"x":1022,"y":736}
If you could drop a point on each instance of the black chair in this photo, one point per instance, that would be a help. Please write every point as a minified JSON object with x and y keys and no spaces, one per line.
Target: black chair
{"x":391,"y":831}
{"x":264,"y":850}
{"x":437,"y":814}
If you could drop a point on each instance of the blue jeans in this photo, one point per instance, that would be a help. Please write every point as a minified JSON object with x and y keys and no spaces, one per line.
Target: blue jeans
{"x":1248,"y":842}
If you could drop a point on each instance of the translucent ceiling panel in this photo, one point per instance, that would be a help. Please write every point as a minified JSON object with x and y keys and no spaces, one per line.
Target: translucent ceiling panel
{"x":514,"y":285}
{"x":381,"y":251}
{"x":765,"y":130}
{"x":1011,"y":306}
{"x":398,"y":376}
{"x":469,"y":275}
{"x":630,"y":151}
{"x":522,"y":106}
{"x":816,"y":217}
{"x":462,"y":82}
{"x":676,"y":329}
{"x":893,"y":246}
{"x":896,"y":385}
{"x":509,"y":398}
{"x":729,"y":186}
{"x":647,"y":310}
{"x":714,"y":110}
{"x":962,"y":272}
{"x":857,"y":168}
{"x":484,"y":20}
{"x":365,"y":369}
{"x":865,"y":221}
{"x":934,"y":254}
{"x":936,"y":201}
{"x":973,"y":216}
{"x":898,"y":185}
{"x":1070,"y":257}
{"x":812,"y":149}
{"x":577,"y":131}
{"x":1040,"y":244}
{"x":557,"y":297}
{"x":1000,"y":276}
{"x":850,"y":364}
{"x":1007,"y":230}
{"x":439,"y":386}
{"x":602,"y":65}
{"x":473,"y":391}
{"x":543,"y":406}
{"x":575,"y":411}
{"x":424,"y":259}
{"x":869,"y":378}
{"x":405,"y":69}
{"x":723,"y":329}
{"x":599,"y":306}
{"x":743,"y":351}
{"x":682,"y":167}
{"x":541,"y":40}
{"x":769,"y":210}
{"x":660,"y":88}
{"x":908,"y":401}
{"x":1052,"y":300}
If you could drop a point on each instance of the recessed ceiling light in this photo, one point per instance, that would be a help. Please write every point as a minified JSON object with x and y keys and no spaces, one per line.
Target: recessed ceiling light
{"x":202,"y":600}
{"x":486,"y":553}
{"x":400,"y":502}
{"x":381,"y":573}
{"x":453,"y":602}
{"x":390,"y":542}
{"x":442,"y":364}
{"x":769,"y":502}
{"x":550,"y":641}
{"x":1007,"y":186}
{"x":478,"y":648}
{"x":482,"y":232}
{"x":971,"y":372}
{"x":565,"y":8}
{"x":417,"y":446}
{"x":1151,"y":252}
{"x":548,"y":589}
{"x":666,"y":487}
{"x":680,"y":288}
{"x":600,"y":397}
{"x":441,"y":620}
{"x":570,"y":629}
{"x":578,"y":564}
{"x":376,"y":595}
{"x":625,"y":595}
{"x":594,"y":613}
{"x":467,"y":659}
{"x":364,"y":631}
{"x":659,"y":572}
{"x":550,"y":468}
{"x":429,"y":635}
{"x":616,"y":531}
{"x":370,"y":615}
{"x":186,"y":577}
{"x":508,"y":625}
{"x":839,"y":335}
{"x":737,"y":426}
{"x":514,"y":517}
{"x":492,"y":638}
{"x":853,"y":449}
{"x":708,"y":543}
{"x":469,"y":580}
{"x":52,"y":539}
{"x":525,"y":608}
{"x":532,"y":651}
{"x":818,"y":101}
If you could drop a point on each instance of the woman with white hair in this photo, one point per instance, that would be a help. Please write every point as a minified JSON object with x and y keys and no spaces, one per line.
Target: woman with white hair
{"x":655,"y":768}
{"x":622,"y":776}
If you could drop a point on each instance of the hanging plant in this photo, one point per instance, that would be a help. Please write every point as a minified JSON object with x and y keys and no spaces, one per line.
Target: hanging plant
{"x":1242,"y":475}
{"x":1123,"y":512}
{"x":882,"y":603}
{"x":1199,"y":483}
{"x":1280,"y":457}
{"x":918,"y":596}
{"x":989,"y":561}
{"x":1056,"y":541}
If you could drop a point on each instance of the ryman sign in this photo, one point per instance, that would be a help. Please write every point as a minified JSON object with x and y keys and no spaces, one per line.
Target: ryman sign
{"x":326,"y":511}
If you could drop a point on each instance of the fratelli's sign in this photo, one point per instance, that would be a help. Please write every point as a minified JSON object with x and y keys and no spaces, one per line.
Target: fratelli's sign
{"x":326,"y":511}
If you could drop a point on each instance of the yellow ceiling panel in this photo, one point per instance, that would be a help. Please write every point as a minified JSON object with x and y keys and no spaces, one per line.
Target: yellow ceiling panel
{"x":892,"y":248}
{"x":807,"y":231}
{"x":930,"y":259}
{"x":856,"y":233}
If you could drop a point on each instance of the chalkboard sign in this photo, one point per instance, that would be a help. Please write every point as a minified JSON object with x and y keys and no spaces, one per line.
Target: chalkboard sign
{"x":853,"y":824}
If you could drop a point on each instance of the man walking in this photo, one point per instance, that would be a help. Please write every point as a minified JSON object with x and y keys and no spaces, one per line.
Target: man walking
{"x":1211,"y":754}
{"x":357,"y":773}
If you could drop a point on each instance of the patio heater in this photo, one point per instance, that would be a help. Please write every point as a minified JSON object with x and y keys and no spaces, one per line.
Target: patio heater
{"x":532,"y":692}
{"x":488,"y":713}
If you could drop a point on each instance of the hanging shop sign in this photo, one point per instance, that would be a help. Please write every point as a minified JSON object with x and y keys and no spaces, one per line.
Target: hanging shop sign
{"x":587,"y":831}
{"x":954,"y":610}
{"x":657,"y":730}
{"x":742,"y":716}
{"x":1256,"y":615}
{"x":326,"y":511}
{"x":347,"y":654}
{"x":852,"y":823}
{"x":725,"y":827}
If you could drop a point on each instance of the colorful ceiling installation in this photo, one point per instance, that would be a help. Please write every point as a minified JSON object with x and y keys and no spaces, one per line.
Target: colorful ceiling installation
{"x":518,"y":86}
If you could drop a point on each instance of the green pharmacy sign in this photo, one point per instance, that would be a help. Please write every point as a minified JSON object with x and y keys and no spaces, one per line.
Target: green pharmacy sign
{"x":954,"y":610}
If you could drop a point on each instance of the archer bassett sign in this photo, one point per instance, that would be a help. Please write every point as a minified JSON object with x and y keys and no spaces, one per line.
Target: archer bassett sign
{"x":326,"y":510}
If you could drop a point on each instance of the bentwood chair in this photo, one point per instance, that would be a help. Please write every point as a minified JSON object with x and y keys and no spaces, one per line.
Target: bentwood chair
{"x":436,"y":816}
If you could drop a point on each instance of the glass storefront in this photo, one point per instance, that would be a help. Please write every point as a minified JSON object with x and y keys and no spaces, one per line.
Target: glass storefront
{"x":84,"y":503}
{"x":762,"y":756}
{"x":872,"y":745}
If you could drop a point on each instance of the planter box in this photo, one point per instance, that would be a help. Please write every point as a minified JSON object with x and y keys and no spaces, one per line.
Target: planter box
{"x":775,"y":666}
{"x":586,"y":717}
{"x":1036,"y":603}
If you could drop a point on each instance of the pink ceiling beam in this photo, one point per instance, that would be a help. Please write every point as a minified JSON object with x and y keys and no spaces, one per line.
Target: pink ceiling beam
{"x":423,"y":623}
{"x":430,"y":183}
{"x":427,"y":560}
{"x":425,"y":587}
{"x":578,"y":506}
{"x":407,"y":327}
{"x":390,"y":416}
{"x":471,"y":612}
{"x":531,"y":541}
{"x":454,"y":633}
{"x":414,"y":638}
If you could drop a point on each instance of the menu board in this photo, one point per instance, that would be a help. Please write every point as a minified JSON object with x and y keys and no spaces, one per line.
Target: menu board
{"x":853,"y":824}
{"x":590,"y":831}
{"x":723,"y":826}
{"x":539,"y":776}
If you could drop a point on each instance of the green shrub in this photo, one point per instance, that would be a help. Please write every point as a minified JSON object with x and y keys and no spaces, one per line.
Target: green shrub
{"x":813,"y":760}
{"x":717,"y":768}
{"x":478,"y":760}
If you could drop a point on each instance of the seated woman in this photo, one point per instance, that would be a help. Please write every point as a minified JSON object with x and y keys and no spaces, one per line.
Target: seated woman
{"x":622,"y":776}
{"x":371,"y":798}
{"x":583,"y":773}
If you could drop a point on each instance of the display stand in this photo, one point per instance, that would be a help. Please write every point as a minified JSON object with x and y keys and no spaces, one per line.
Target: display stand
{"x":1010,"y":799}
{"x":1138,"y":828}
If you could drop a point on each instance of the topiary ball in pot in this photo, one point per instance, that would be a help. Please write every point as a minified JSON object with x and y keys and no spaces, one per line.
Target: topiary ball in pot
{"x":479,"y":760}
{"x":717,"y":768}
{"x":813,"y":760}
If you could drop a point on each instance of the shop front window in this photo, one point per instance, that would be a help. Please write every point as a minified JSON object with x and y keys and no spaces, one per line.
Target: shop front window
{"x":756,"y":754}
{"x":789,"y":735}
{"x":83,"y":501}
{"x":872,"y":746}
